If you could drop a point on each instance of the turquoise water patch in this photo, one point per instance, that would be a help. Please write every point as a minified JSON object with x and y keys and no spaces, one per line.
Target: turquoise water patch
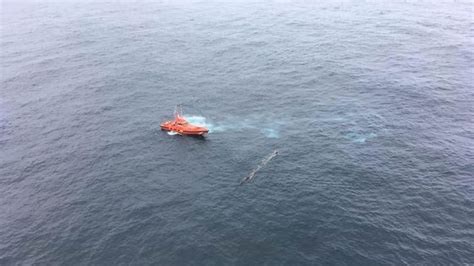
{"x":360,"y":137}
{"x":234,"y":125}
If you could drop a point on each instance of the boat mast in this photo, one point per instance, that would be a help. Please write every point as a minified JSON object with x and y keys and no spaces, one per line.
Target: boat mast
{"x":178,"y":111}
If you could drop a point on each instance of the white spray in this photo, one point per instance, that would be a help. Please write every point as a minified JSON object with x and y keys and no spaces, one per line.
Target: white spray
{"x":234,"y":125}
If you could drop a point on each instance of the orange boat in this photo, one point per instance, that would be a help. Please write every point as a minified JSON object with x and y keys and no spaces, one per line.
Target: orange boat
{"x":183,"y":127}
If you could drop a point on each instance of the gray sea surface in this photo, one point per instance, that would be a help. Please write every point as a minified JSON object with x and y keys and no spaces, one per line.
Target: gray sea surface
{"x":370,"y":105}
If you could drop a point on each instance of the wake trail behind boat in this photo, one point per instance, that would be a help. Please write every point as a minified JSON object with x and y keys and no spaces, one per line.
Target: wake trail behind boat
{"x":259,"y":166}
{"x":234,"y":124}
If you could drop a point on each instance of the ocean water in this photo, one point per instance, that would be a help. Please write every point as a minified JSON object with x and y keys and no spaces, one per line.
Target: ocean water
{"x":369,"y":103}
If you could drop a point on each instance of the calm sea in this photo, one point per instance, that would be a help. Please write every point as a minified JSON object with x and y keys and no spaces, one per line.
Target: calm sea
{"x":370,"y":105}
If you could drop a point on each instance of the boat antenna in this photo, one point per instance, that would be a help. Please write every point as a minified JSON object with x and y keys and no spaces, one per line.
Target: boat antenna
{"x":178,"y":111}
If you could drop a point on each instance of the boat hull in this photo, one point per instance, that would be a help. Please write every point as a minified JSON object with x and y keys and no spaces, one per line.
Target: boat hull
{"x":188,"y":130}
